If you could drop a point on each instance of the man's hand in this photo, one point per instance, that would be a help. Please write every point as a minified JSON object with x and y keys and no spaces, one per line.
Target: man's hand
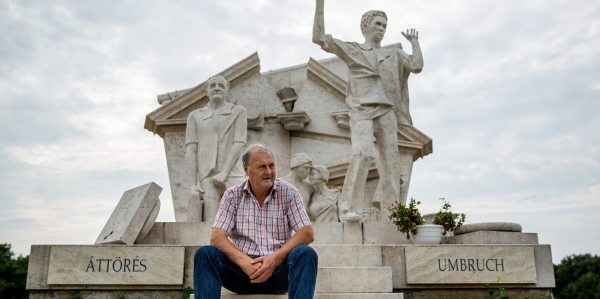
{"x":250,"y":267}
{"x":219,"y":179}
{"x":411,"y":35}
{"x":268,"y":265}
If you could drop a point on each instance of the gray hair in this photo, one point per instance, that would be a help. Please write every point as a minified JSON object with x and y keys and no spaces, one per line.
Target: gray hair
{"x":323,"y":172}
{"x":254,"y":148}
{"x":218,"y":77}
{"x":368,"y":16}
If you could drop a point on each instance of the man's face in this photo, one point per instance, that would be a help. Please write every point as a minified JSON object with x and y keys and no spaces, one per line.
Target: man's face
{"x":376,"y":29}
{"x":217,"y":88}
{"x":260,"y":172}
{"x":303,"y":170}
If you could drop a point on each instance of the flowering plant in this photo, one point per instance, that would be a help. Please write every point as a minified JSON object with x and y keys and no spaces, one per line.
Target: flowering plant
{"x":406,"y":218}
{"x":446,"y":218}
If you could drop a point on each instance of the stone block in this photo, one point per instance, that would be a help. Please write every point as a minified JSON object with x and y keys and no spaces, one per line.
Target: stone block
{"x":354,"y":280}
{"x":544,"y":266}
{"x":348,"y":255}
{"x":178,"y":233}
{"x":493,"y":237}
{"x":471,"y":265}
{"x":353,"y":232}
{"x":116,"y":265}
{"x":384,"y":232}
{"x":129,"y":217}
{"x":37,"y":271}
{"x":393,"y":256}
{"x":328,"y":232}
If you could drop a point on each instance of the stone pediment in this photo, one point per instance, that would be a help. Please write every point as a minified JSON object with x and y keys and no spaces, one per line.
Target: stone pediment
{"x":172,"y":115}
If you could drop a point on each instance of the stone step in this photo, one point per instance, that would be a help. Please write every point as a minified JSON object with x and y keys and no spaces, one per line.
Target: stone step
{"x":319,"y":296}
{"x":354,"y":280}
{"x":349,"y":255}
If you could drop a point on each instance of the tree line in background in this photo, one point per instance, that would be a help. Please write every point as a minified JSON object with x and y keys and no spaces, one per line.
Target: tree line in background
{"x":13,"y":274}
{"x":577,"y":276}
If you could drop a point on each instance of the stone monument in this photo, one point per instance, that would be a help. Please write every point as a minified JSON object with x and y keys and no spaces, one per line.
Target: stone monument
{"x":319,"y":119}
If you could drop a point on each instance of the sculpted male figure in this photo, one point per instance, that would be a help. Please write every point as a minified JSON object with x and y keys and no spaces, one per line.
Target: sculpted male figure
{"x":251,"y":248}
{"x":215,"y":138}
{"x":377,"y":98}
{"x":300,"y":165}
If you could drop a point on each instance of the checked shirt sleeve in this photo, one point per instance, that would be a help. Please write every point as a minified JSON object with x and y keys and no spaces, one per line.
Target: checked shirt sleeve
{"x":297,"y":215}
{"x":225,"y":218}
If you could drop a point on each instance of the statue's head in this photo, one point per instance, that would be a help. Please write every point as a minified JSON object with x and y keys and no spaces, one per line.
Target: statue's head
{"x":318,"y":173}
{"x":373,"y":24}
{"x":300,"y":165}
{"x":217,"y":86}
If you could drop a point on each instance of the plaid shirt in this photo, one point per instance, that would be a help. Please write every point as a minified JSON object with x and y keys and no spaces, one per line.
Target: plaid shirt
{"x":260,"y":231}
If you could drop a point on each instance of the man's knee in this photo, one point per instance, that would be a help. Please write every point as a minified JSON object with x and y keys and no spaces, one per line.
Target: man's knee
{"x":205,"y":252}
{"x":304,"y":253}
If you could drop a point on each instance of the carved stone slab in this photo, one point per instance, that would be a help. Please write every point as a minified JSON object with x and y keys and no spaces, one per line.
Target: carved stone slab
{"x":116,"y":265}
{"x":129,"y":217}
{"x":470,"y":265}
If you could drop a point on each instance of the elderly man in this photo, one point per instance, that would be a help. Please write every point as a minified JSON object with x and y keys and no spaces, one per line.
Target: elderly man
{"x":300,"y":166}
{"x":377,"y":97}
{"x":252,"y":250}
{"x":215,"y":138}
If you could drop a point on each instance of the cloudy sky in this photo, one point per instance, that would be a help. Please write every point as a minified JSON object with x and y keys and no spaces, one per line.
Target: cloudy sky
{"x":509,"y":93}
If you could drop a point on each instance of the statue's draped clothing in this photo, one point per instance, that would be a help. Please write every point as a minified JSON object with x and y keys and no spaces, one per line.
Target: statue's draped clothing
{"x":215,"y":138}
{"x":377,"y":79}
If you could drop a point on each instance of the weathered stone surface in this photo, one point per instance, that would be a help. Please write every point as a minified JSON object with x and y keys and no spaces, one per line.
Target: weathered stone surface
{"x":354,"y":280}
{"x":488,"y":226}
{"x":328,"y":233}
{"x":493,"y":237}
{"x":393,"y":256}
{"x":385,"y":232}
{"x":149,"y":223}
{"x":476,"y":293}
{"x":178,"y":233}
{"x":115,"y":265}
{"x":348,"y":255}
{"x":353,"y":232}
{"x":476,"y":264}
{"x":130,"y":215}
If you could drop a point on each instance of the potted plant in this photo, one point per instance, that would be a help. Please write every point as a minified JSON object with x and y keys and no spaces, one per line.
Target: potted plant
{"x":406,"y":218}
{"x":450,"y":221}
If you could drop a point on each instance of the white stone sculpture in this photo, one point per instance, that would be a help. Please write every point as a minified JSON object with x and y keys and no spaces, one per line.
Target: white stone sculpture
{"x":324,"y":202}
{"x":377,"y":97}
{"x":300,"y":165}
{"x":215,"y":138}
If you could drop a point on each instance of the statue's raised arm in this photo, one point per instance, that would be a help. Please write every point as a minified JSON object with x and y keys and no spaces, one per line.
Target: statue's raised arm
{"x":319,"y":24}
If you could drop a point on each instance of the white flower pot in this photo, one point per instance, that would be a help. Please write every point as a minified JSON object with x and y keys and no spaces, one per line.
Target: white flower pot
{"x":428,"y":234}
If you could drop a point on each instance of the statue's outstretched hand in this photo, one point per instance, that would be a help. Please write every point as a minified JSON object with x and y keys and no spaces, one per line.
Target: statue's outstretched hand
{"x":411,"y":35}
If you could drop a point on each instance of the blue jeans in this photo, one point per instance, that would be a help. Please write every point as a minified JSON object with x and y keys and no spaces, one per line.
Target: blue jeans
{"x":297,"y":275}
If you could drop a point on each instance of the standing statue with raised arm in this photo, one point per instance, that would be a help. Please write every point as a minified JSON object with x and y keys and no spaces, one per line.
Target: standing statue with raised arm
{"x":377,"y":99}
{"x":215,"y":138}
